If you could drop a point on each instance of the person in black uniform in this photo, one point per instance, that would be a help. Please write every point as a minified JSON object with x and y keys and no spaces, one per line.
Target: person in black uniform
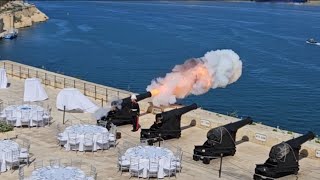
{"x":135,"y":112}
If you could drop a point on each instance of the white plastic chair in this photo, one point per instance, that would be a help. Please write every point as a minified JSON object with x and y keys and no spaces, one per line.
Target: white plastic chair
{"x":170,"y":168}
{"x":62,"y":140}
{"x":47,"y":117}
{"x":88,"y":142}
{"x":135,"y":169}
{"x":153,"y":168}
{"x":24,"y":156}
{"x":73,"y":141}
{"x":112,"y":135}
{"x":123,"y":164}
{"x":38,"y":119}
{"x":25,"y":118}
{"x":93,"y":173}
{"x":12,"y":158}
{"x":178,"y":161}
{"x":10,"y":118}
{"x":103,"y":141}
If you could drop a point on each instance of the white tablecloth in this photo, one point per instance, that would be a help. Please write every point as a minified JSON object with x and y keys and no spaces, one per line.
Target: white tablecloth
{"x":73,"y":99}
{"x":3,"y":78}
{"x":33,"y":90}
{"x":17,"y":112}
{"x":144,"y":153}
{"x":5,"y":147}
{"x":80,"y":130}
{"x":59,"y":173}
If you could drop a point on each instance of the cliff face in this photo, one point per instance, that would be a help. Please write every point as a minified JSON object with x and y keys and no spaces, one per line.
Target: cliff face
{"x":18,"y":15}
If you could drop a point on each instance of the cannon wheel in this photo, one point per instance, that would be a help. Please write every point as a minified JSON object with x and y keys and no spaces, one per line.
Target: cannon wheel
{"x":196,"y":158}
{"x":206,"y":160}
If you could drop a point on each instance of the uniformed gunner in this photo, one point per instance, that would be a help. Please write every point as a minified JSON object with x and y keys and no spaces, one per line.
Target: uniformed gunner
{"x":135,"y":112}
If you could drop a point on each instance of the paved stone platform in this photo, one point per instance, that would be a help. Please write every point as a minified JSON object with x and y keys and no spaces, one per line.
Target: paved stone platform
{"x":44,"y":146}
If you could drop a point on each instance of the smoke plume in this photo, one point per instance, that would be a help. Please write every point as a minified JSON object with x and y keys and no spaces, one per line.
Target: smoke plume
{"x":196,"y":76}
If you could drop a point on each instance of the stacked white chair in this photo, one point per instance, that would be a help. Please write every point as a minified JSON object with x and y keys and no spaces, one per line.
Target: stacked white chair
{"x":10,"y":118}
{"x":178,"y":159}
{"x":62,"y":140}
{"x":47,"y":117}
{"x":24,"y":155}
{"x":135,"y":168}
{"x":112,"y":135}
{"x":103,"y":141}
{"x":153,"y":168}
{"x":25,"y":118}
{"x":88,"y":142}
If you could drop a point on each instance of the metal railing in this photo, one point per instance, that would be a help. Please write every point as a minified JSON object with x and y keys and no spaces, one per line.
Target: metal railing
{"x":59,"y":81}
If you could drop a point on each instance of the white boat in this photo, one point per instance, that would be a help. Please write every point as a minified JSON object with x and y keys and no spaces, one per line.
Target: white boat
{"x":11,"y":34}
{"x":311,"y":41}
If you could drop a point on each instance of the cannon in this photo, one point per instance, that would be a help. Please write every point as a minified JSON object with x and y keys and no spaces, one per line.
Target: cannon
{"x":220,"y":141}
{"x":120,"y":113}
{"x":168,"y":127}
{"x":283,"y":159}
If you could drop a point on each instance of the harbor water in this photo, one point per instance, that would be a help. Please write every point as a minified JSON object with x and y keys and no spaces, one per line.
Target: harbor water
{"x":127,"y":44}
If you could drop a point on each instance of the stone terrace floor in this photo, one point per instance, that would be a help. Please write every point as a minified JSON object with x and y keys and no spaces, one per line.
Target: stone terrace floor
{"x":44,"y":147}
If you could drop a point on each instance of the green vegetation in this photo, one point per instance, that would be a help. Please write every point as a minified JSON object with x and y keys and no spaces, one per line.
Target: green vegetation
{"x":289,"y":132}
{"x":275,"y":130}
{"x":4,"y":127}
{"x":317,"y":140}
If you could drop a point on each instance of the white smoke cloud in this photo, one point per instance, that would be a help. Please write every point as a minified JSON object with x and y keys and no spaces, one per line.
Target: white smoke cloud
{"x":197,"y":76}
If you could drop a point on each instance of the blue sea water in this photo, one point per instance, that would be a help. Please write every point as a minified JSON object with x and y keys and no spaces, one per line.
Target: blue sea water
{"x":127,"y":44}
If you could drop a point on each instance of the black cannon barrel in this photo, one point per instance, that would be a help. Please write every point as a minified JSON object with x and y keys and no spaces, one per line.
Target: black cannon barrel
{"x":182,"y":110}
{"x":143,"y":96}
{"x":231,"y":127}
{"x":239,"y":124}
{"x":296,"y":142}
{"x":139,"y":98}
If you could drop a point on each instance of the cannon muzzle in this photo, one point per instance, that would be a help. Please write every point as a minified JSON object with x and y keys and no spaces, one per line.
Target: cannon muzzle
{"x":143,"y":96}
{"x":183,"y":110}
{"x":297,"y":142}
{"x":127,"y":100}
{"x":215,"y":133}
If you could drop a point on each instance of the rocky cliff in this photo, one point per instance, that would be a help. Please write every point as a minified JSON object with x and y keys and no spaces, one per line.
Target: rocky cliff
{"x":18,"y":14}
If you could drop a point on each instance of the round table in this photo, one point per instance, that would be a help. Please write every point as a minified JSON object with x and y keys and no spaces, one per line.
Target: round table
{"x":145,"y":153}
{"x":6,"y":146}
{"x":80,"y":130}
{"x":16,"y":112}
{"x":59,"y":173}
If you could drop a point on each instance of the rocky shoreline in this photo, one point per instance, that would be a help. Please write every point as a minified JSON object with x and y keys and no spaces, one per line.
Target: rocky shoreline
{"x":18,"y":14}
